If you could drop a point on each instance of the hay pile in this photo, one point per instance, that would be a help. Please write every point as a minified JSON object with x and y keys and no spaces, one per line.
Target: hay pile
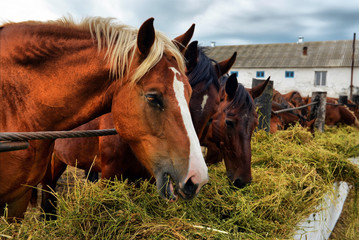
{"x":292,"y":170}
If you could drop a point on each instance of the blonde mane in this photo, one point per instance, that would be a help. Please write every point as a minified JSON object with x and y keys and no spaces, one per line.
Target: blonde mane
{"x":120,"y":41}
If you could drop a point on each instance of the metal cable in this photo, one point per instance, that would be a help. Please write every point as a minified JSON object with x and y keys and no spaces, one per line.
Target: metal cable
{"x":24,"y":136}
{"x":296,"y":108}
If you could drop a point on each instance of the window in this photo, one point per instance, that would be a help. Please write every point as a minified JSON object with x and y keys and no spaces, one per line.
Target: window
{"x":260,"y":74}
{"x":289,"y":74}
{"x":320,"y":78}
{"x":234,"y":72}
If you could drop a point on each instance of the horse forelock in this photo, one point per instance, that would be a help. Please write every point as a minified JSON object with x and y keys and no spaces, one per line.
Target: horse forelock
{"x":203,"y":71}
{"x":121,"y":40}
{"x":242,"y":97}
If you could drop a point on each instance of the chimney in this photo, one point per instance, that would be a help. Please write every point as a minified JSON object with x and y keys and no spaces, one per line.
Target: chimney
{"x":300,"y":39}
{"x":305,"y":51}
{"x":213,"y":44}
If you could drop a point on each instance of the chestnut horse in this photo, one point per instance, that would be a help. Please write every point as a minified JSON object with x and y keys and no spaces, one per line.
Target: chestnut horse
{"x":283,"y":120}
{"x":229,"y":135}
{"x":113,"y":156}
{"x":59,"y":75}
{"x":336,"y":114}
{"x":296,"y":99}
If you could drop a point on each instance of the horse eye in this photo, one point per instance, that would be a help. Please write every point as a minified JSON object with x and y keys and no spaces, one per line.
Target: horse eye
{"x":155,"y":100}
{"x":230,"y":124}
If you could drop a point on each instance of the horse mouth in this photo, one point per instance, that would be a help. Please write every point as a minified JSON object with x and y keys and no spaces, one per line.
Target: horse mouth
{"x":169,"y":189}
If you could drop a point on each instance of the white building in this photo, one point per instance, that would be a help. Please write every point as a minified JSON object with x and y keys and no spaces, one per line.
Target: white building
{"x":302,"y":66}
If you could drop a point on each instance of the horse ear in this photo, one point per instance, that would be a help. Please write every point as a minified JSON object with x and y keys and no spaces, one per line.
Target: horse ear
{"x":259,"y":89}
{"x":191,"y":56}
{"x":146,"y":37}
{"x":182,"y":41}
{"x":224,"y":66}
{"x":231,"y":86}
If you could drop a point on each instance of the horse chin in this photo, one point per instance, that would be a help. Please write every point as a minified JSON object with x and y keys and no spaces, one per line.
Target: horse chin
{"x":167,"y":188}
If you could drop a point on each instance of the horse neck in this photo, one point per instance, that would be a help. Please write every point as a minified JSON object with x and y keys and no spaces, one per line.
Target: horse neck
{"x":59,"y":88}
{"x":62,"y":106}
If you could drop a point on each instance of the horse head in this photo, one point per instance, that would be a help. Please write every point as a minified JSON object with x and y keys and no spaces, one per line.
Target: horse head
{"x":231,"y":130}
{"x":203,"y":74}
{"x":152,"y":115}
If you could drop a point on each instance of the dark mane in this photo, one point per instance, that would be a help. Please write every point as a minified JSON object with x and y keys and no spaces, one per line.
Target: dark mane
{"x":242,"y":96}
{"x":204,"y":71}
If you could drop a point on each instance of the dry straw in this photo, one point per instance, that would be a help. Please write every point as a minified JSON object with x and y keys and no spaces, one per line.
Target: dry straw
{"x":292,"y":170}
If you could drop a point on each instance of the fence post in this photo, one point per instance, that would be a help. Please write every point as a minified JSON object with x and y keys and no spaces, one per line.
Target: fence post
{"x":319,"y":109}
{"x":355,"y":98}
{"x":264,"y":103}
{"x":343,"y":99}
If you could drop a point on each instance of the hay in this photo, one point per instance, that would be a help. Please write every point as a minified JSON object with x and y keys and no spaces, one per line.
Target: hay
{"x":291,"y":172}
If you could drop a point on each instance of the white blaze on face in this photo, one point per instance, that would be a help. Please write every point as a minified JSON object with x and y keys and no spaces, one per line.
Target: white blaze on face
{"x":197,"y":167}
{"x":204,"y":102}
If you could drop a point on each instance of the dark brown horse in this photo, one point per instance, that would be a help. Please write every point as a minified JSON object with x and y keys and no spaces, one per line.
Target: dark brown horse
{"x":203,"y":74}
{"x":59,"y":75}
{"x":230,"y":133}
{"x":111,"y":155}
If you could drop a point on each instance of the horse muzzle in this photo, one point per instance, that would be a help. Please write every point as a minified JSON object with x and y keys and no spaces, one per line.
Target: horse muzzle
{"x":240,"y":183}
{"x":189,"y":190}
{"x":167,"y":187}
{"x":170,"y":190}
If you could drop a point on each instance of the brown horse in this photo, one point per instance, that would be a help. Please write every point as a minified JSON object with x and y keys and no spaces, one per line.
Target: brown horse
{"x":336,"y":114}
{"x":354,"y":107}
{"x":204,"y":74}
{"x":280,"y":99}
{"x":230,"y":133}
{"x":296,"y":99}
{"x":59,"y":75}
{"x":283,"y":120}
{"x":113,"y":156}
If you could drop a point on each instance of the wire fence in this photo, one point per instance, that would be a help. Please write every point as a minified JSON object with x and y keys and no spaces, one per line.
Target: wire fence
{"x":25,"y":136}
{"x":296,"y":108}
{"x":310,"y":104}
{"x":11,"y":141}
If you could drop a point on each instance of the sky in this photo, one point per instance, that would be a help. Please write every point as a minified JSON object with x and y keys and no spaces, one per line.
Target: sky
{"x":225,"y":22}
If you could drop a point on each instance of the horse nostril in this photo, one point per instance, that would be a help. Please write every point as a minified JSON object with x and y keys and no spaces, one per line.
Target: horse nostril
{"x":190,"y":189}
{"x":239,"y":183}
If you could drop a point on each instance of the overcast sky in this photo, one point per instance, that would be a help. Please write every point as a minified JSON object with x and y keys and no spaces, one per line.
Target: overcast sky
{"x":226,"y":22}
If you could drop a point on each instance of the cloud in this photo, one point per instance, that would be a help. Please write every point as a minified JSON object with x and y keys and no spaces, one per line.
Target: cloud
{"x":223,"y":21}
{"x":19,"y":10}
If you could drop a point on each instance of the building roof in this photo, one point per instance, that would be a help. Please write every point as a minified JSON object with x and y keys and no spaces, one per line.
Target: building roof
{"x":289,"y":55}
